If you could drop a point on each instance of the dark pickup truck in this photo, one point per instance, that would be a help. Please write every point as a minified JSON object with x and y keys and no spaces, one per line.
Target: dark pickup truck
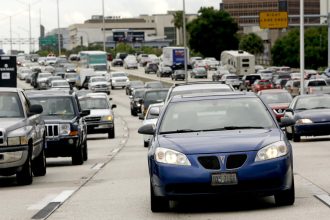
{"x":66,"y":129}
{"x":22,"y":137}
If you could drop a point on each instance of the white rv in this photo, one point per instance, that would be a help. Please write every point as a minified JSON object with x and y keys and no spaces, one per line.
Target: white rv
{"x":238,"y":61}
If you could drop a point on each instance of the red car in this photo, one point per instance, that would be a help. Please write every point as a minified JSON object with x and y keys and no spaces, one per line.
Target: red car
{"x":261,"y":84}
{"x":277,"y":99}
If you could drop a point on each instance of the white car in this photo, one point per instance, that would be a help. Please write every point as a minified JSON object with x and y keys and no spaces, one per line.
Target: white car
{"x":231,"y":79}
{"x":60,"y":84}
{"x":118,"y":79}
{"x":99,"y":84}
{"x":151,"y":118}
{"x":130,"y":63}
{"x":42,"y":80}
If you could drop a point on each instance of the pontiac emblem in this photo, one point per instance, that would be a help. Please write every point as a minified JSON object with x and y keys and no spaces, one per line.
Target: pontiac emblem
{"x":222,"y":159}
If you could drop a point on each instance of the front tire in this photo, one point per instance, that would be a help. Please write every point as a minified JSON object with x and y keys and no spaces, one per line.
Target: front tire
{"x":295,"y":137}
{"x":286,"y":197}
{"x":158,"y":204}
{"x":77,"y":157}
{"x":145,"y":143}
{"x":24,"y":177}
{"x":85,"y":151}
{"x":39,"y":164}
{"x":111,"y":133}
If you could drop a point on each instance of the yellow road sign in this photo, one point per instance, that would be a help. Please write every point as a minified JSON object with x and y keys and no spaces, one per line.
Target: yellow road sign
{"x":273,"y":19}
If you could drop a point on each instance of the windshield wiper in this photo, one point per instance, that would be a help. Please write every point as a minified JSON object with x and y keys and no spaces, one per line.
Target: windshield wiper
{"x":321,"y":107}
{"x":242,"y":127}
{"x":179,"y":131}
{"x":301,"y":109}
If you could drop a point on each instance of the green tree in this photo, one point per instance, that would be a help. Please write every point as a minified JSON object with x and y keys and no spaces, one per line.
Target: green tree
{"x":178,"y":23}
{"x":251,"y":43}
{"x":286,"y":50}
{"x":212,"y":32}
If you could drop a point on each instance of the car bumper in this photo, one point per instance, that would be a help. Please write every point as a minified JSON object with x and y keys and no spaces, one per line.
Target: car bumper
{"x":179,"y":76}
{"x":101,"y":127}
{"x":257,"y":178}
{"x":119,"y":84}
{"x":12,"y":159}
{"x":315,"y":129}
{"x":106,"y":90}
{"x":61,"y":147}
{"x":200,"y":75}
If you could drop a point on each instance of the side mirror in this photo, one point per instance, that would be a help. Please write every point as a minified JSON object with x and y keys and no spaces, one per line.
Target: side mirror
{"x":289,"y":110}
{"x":35,"y":109}
{"x":141,"y":117}
{"x":148,"y":129}
{"x":286,"y":122}
{"x":154,"y":112}
{"x":130,"y":97}
{"x":85,"y":113}
{"x":113,"y":106}
{"x":110,"y":99}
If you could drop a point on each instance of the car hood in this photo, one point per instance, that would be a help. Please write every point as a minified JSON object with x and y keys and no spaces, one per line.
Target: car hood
{"x":11,"y":123}
{"x":279,"y":105}
{"x":316,"y":115}
{"x":99,"y":112}
{"x":220,"y":141}
{"x":98,"y":83}
{"x":56,"y":119}
{"x":119,"y":78}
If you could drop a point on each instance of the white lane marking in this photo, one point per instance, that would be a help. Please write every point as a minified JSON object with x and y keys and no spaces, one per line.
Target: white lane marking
{"x":98,"y":166}
{"x":63,"y":196}
{"x":325,"y":198}
{"x":42,"y":203}
{"x":115,"y":150}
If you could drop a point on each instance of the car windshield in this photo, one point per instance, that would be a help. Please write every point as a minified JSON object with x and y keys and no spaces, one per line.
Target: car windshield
{"x":317,"y":83}
{"x":100,"y":68}
{"x":98,"y":79}
{"x":313,"y":102}
{"x":264,"y":83}
{"x":70,"y":76}
{"x":138,"y":94}
{"x":118,"y":75}
{"x":136,"y":83}
{"x":53,"y":106}
{"x":93,"y":103}
{"x":179,"y":72}
{"x":10,"y":106}
{"x":44,"y":75}
{"x":215,"y":114}
{"x":154,"y":85}
{"x":200,"y":70}
{"x":281,"y":97}
{"x":60,"y":84}
{"x":155,"y":95}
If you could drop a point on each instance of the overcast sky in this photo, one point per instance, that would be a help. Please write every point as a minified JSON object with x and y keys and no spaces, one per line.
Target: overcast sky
{"x":77,"y":11}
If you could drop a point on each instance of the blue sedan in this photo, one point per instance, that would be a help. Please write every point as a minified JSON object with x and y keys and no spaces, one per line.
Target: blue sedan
{"x":214,"y":145}
{"x":311,"y":114}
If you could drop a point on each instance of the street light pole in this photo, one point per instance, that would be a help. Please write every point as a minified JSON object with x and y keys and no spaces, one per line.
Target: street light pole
{"x":328,"y":23}
{"x":185,"y":40}
{"x":103,"y":25}
{"x":11,"y":35}
{"x":30,"y":34}
{"x":58,"y":30}
{"x":302,"y":47}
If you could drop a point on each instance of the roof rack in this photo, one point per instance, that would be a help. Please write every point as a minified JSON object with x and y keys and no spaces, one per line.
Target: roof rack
{"x":197,"y":82}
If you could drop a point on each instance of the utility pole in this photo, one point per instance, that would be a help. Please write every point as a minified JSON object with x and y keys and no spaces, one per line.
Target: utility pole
{"x":302,"y":47}
{"x":58,"y":30}
{"x":328,"y":23}
{"x":11,"y":35}
{"x":185,"y":40}
{"x":103,"y":25}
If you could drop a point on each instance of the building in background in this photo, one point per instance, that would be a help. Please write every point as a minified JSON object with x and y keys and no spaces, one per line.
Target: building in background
{"x":240,"y":8}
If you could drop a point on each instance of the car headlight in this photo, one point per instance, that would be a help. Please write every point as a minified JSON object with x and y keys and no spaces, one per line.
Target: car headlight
{"x":15,"y":141}
{"x":64,"y":129}
{"x":164,"y":155}
{"x":304,"y":121}
{"x":107,"y":118}
{"x":272,"y":151}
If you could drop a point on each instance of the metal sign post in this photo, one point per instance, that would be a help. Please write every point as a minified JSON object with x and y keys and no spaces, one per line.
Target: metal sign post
{"x":8,"y":71}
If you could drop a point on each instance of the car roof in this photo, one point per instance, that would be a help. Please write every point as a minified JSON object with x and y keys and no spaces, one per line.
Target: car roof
{"x":9,"y":89}
{"x":49,"y":93}
{"x":188,"y":87}
{"x":273,"y":91}
{"x":212,"y":95}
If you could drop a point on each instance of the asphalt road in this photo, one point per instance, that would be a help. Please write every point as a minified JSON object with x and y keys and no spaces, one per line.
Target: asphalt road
{"x":114,"y":184}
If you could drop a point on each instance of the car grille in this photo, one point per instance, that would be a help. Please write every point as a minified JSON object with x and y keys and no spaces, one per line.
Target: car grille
{"x":100,"y":86}
{"x":120,"y":80}
{"x":92,"y":119}
{"x":1,"y":137}
{"x":209,"y":162}
{"x":235,"y":161}
{"x":52,"y":130}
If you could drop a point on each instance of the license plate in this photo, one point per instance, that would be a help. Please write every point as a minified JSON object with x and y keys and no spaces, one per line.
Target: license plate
{"x":224,"y":179}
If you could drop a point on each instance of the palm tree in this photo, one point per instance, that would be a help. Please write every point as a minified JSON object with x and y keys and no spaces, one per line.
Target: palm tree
{"x":178,"y":23}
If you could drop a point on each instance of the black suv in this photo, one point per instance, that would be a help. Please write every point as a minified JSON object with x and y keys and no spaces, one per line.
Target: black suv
{"x":66,"y":130}
{"x":247,"y":81}
{"x":135,"y":101}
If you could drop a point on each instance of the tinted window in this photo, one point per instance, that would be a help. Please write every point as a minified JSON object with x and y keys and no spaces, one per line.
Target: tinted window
{"x":313,"y":102}
{"x":156,"y":95}
{"x":271,"y":98}
{"x":55,"y":105}
{"x":215,"y":114}
{"x":10,"y":105}
{"x":93,"y":103}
